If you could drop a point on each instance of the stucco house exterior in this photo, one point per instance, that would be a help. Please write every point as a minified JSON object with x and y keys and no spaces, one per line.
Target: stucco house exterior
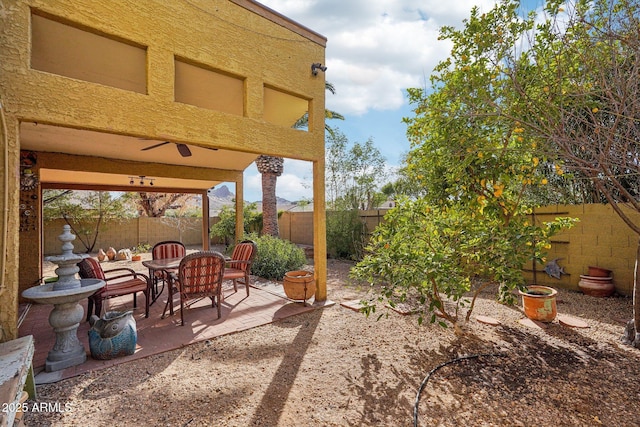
{"x":97,"y":95}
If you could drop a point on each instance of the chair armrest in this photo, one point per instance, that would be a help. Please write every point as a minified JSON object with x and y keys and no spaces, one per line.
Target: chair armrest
{"x":129,"y":273}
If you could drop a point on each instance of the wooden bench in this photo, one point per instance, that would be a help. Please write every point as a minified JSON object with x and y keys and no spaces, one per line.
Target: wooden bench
{"x":16,"y":375}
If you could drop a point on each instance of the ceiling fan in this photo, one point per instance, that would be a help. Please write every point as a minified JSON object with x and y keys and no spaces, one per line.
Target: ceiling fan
{"x":183,"y":149}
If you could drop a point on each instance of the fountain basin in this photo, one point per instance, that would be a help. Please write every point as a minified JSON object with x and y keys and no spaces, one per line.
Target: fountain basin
{"x":65,"y":319}
{"x":44,"y":294}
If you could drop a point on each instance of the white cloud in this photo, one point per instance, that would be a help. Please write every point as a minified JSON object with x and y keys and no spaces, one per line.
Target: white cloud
{"x":378,"y":48}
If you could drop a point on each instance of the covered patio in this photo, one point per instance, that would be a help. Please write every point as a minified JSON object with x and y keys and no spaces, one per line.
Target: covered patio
{"x":93,"y":97}
{"x":266,"y":304}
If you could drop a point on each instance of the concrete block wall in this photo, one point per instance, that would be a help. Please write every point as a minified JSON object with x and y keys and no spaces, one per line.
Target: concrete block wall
{"x":600,"y":239}
{"x":297,"y":227}
{"x":129,"y":233}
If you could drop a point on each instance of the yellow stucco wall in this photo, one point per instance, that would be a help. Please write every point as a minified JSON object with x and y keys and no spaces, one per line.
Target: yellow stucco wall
{"x":238,"y":37}
{"x":600,"y":239}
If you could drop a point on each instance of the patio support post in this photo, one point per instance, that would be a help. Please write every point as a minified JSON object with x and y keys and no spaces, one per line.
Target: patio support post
{"x":319,"y":230}
{"x":239,"y":208}
{"x":9,"y":281}
{"x":206,"y":221}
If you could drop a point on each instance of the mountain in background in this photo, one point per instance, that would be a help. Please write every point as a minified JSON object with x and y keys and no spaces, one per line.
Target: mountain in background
{"x":221,"y":196}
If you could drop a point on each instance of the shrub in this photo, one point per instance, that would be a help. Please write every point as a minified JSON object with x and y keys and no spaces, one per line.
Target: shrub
{"x":345,"y":235}
{"x":275,"y":257}
{"x":225,"y":228}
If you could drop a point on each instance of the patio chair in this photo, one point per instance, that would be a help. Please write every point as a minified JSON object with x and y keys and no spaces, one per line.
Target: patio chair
{"x":125,"y":281}
{"x":200,"y":276}
{"x":239,"y":266}
{"x":163,"y":250}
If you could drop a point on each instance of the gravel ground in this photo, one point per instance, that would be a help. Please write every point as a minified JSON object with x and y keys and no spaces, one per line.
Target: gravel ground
{"x":335,"y":367}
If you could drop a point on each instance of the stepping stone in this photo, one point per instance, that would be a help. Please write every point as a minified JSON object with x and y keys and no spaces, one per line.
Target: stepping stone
{"x":572,"y":322}
{"x":488,"y":320}
{"x":533,"y":323}
{"x":354,"y":305}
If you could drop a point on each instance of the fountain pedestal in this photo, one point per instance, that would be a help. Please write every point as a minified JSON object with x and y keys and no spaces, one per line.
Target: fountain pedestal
{"x":67,"y":313}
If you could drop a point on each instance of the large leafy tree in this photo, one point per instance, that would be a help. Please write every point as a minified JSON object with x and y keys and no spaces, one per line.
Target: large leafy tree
{"x":354,"y":173}
{"x":155,"y":205}
{"x":572,"y":83}
{"x":578,"y":87}
{"x":471,"y":165}
{"x":86,"y":212}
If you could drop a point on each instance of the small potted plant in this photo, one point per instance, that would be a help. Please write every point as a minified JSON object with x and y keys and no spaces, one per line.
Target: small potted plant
{"x":138,"y":250}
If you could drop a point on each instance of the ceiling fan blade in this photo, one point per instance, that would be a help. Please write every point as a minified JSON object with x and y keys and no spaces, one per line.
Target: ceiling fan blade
{"x":184,"y":150}
{"x":156,"y":145}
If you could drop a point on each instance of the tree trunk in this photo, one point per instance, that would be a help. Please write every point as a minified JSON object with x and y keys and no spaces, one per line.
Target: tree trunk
{"x":271,"y":168}
{"x":269,"y":205}
{"x":632,"y":331}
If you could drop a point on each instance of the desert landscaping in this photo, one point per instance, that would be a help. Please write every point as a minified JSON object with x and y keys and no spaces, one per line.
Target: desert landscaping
{"x":335,"y":367}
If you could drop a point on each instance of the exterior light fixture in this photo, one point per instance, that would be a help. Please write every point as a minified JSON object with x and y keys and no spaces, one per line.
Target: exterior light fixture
{"x":317,"y":66}
{"x":142,"y":178}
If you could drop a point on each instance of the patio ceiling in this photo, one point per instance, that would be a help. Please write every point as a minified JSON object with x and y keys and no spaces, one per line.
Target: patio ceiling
{"x":56,"y":139}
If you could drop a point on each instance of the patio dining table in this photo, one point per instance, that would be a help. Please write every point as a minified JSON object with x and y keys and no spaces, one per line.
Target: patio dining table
{"x":166,"y":265}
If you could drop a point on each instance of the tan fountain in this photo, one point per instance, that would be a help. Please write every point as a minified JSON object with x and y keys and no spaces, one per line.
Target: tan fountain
{"x":67,"y":313}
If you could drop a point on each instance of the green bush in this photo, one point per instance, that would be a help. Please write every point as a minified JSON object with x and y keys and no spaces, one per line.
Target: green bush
{"x":275,"y":257}
{"x":345,"y":235}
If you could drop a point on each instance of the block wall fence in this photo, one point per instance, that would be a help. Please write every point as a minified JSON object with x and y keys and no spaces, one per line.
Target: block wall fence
{"x":130,"y":232}
{"x":600,"y":238}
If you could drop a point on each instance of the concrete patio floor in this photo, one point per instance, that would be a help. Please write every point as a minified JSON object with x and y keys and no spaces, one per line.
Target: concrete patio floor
{"x":265,"y":304}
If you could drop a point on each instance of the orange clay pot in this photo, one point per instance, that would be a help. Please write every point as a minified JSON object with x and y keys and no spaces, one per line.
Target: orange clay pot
{"x":299,"y":285}
{"x":599,"y":271}
{"x":539,"y":303}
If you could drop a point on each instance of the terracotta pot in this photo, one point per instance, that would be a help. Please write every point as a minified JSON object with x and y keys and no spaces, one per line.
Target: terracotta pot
{"x":599,"y":272}
{"x":136,"y":257}
{"x":299,"y":285}
{"x":596,"y":286}
{"x":539,"y":303}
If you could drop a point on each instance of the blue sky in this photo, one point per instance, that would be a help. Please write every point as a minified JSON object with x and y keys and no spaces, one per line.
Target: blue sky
{"x":375,"y":50}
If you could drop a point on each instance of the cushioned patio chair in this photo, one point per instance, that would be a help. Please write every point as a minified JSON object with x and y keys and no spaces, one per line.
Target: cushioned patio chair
{"x":164,"y":250}
{"x":200,"y":276}
{"x":119,"y":281}
{"x":238,"y":268}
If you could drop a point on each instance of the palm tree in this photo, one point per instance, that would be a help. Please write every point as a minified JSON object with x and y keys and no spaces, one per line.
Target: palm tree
{"x":272,"y":167}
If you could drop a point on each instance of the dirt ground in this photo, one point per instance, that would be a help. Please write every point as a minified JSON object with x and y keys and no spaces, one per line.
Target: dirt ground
{"x":335,"y":367}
